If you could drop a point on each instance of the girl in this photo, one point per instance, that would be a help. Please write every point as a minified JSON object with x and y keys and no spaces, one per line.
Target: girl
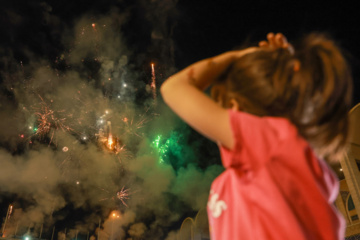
{"x":276,"y":114}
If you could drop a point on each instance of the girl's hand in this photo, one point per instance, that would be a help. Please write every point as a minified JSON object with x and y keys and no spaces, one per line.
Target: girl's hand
{"x":275,"y":42}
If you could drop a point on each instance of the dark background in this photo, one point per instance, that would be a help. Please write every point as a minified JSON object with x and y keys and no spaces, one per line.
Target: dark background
{"x":196,"y":29}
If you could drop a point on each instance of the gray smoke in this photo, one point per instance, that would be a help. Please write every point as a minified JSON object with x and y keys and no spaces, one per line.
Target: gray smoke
{"x":63,"y":162}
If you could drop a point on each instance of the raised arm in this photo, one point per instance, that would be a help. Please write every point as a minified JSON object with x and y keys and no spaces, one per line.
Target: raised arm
{"x":183,"y":93}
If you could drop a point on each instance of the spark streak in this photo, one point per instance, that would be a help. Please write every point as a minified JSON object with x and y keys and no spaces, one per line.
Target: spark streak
{"x":9,"y":211}
{"x":153,"y":82}
{"x":110,"y":142}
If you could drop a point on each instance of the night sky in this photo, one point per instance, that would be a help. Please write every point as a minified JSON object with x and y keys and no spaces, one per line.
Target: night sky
{"x":68,"y":68}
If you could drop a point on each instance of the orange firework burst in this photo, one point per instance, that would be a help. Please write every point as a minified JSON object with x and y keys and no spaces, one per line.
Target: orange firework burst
{"x":133,"y":123}
{"x":122,"y":195}
{"x":48,"y":120}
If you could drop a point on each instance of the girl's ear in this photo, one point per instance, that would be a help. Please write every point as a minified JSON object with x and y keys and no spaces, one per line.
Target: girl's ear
{"x":234,"y":105}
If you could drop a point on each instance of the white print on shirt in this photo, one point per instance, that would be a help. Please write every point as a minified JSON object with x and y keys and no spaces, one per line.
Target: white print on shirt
{"x":216,"y":206}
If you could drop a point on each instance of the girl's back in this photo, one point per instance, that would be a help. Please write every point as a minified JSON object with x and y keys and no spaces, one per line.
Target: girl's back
{"x":274,"y":187}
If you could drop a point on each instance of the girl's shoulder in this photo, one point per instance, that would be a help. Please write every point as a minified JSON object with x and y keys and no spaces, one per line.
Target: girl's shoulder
{"x":281,"y":127}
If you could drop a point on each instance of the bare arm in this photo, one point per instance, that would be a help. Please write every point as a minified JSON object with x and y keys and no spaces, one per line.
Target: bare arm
{"x":183,"y":93}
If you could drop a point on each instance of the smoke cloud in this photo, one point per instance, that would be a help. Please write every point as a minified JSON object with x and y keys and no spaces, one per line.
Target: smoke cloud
{"x":59,"y":113}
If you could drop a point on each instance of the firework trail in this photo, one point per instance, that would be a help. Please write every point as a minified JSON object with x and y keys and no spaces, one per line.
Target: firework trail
{"x":10,"y":211}
{"x":8,"y":214}
{"x":153,"y":82}
{"x":97,"y":40}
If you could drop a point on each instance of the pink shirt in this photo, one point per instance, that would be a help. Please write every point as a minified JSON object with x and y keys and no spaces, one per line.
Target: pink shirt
{"x":274,"y":187}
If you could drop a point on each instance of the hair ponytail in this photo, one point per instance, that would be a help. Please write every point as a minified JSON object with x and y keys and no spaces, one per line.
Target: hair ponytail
{"x":327,"y":98}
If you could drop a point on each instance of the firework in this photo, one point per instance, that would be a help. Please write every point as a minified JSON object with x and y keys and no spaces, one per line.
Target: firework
{"x":78,"y":116}
{"x":10,"y":211}
{"x":106,"y":139}
{"x":133,"y":124}
{"x":162,"y":149}
{"x":166,"y":146}
{"x":110,"y":142}
{"x":122,"y":195}
{"x":49,"y":120}
{"x":153,"y":83}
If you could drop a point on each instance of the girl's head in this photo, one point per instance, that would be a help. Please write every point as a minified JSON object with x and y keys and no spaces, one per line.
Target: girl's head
{"x":311,"y":87}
